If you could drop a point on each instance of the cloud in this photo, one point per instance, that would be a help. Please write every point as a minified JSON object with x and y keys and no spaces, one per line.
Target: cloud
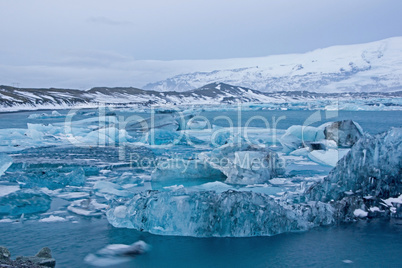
{"x":107,"y":21}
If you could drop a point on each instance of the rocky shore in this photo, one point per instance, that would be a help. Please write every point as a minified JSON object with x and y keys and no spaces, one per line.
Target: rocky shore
{"x":42,"y":259}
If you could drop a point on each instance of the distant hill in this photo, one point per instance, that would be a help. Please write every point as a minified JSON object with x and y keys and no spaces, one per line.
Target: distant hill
{"x":12,"y":98}
{"x":368,"y":67}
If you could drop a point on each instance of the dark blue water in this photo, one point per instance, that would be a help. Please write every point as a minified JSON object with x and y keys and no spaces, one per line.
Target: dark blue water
{"x":366,"y":244}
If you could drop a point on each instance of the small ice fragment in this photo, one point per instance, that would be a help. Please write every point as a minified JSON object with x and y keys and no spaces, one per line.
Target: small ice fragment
{"x":360,"y":213}
{"x":52,"y":218}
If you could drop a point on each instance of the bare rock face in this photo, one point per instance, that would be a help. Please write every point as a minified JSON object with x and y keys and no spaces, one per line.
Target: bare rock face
{"x":44,"y":253}
{"x":345,"y":133}
{"x":4,"y":253}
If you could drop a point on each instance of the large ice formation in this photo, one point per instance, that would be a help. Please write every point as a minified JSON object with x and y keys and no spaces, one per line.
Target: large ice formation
{"x":208,"y":213}
{"x":371,"y":171}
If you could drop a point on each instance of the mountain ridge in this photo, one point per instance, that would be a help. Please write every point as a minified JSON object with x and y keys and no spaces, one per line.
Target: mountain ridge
{"x":368,"y":67}
{"x":12,"y":98}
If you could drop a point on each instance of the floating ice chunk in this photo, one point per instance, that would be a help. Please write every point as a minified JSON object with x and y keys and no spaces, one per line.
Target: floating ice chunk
{"x":139,"y":247}
{"x":87,"y":207}
{"x":73,"y":195}
{"x":216,"y":186}
{"x":52,"y":218}
{"x":54,"y":114}
{"x":5,"y":162}
{"x":277,"y":181}
{"x":246,"y":164}
{"x":106,"y":187}
{"x":197,"y":124}
{"x":345,"y":133}
{"x":347,"y":261}
{"x":25,"y":201}
{"x":105,"y":136}
{"x":157,"y":121}
{"x":296,"y":135}
{"x":327,"y":157}
{"x":116,"y":254}
{"x":52,"y":178}
{"x":208,"y":213}
{"x":174,"y":187}
{"x":360,"y":213}
{"x":178,"y":170}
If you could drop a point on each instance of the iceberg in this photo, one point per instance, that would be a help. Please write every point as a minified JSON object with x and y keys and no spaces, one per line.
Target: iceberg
{"x":345,"y":133}
{"x":87,"y":207}
{"x":55,"y":178}
{"x":295,"y":136}
{"x":24,"y":201}
{"x":109,"y":188}
{"x":211,"y":214}
{"x":116,"y":254}
{"x":244,"y":163}
{"x":369,"y":173}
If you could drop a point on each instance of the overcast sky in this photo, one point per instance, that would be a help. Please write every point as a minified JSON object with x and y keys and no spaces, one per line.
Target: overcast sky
{"x":81,"y":44}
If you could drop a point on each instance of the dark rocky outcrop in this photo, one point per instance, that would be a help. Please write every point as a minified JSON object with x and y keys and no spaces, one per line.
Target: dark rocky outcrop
{"x":41,"y":260}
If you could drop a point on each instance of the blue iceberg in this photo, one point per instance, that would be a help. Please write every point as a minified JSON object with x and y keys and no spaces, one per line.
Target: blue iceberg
{"x":208,"y":213}
{"x":24,"y":201}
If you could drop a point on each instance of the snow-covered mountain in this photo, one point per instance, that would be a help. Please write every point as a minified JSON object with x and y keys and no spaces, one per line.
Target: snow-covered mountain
{"x":368,"y":67}
{"x":12,"y":99}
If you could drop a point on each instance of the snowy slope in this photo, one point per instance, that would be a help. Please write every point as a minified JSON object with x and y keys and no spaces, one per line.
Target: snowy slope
{"x":369,"y":67}
{"x":14,"y":99}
